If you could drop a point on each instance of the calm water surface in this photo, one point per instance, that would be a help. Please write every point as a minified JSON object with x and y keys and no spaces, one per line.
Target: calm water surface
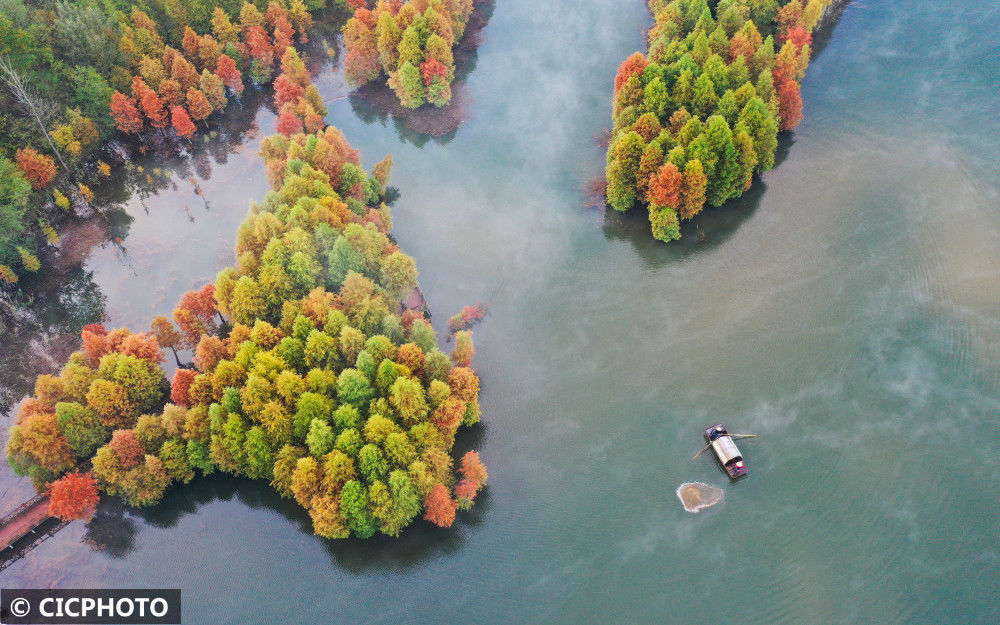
{"x":845,"y":310}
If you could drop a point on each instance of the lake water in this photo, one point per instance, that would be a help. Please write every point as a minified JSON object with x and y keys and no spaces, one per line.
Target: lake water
{"x":845,"y":311}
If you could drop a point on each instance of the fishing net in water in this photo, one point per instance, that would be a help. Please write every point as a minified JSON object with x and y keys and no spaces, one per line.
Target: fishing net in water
{"x":696,"y":495}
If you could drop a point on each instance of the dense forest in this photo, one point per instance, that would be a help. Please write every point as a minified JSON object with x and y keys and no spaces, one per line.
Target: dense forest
{"x":72,"y":73}
{"x":411,"y":42}
{"x":699,"y":114}
{"x":308,"y":369}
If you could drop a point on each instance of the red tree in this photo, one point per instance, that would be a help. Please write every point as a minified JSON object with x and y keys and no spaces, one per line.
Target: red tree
{"x":286,"y":91}
{"x":169,"y":55}
{"x":439,"y":507}
{"x":127,"y":447}
{"x":473,"y":469}
{"x":789,"y":104}
{"x":665,"y":186}
{"x":260,"y":44}
{"x":740,"y":46}
{"x":432,"y":68}
{"x":180,"y":387}
{"x":139,"y":87}
{"x":143,"y":345}
{"x":95,"y":342}
{"x":181,"y":121}
{"x":210,"y":350}
{"x":313,"y":121}
{"x":283,"y":33}
{"x":798,"y":35}
{"x":635,"y":64}
{"x":126,"y":115}
{"x":73,"y":497}
{"x":37,"y":168}
{"x":95,"y":328}
{"x":465,"y":493}
{"x":288,"y":121}
{"x":195,"y":314}
{"x":789,"y":16}
{"x":231,"y":77}
{"x":152,"y":106}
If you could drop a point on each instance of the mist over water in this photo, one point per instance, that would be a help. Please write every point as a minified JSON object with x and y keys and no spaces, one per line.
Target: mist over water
{"x":845,"y":311}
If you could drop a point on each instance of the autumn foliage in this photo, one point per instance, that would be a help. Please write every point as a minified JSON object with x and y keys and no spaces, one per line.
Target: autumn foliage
{"x":38,"y":169}
{"x":181,"y":386}
{"x":175,"y":86}
{"x":411,"y":43}
{"x":789,"y":104}
{"x":439,"y":507}
{"x":309,"y":370}
{"x":181,"y":121}
{"x":127,"y":117}
{"x":697,"y":116}
{"x":73,"y":497}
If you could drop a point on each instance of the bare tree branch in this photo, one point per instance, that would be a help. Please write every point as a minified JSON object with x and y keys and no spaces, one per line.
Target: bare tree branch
{"x":40,"y":110}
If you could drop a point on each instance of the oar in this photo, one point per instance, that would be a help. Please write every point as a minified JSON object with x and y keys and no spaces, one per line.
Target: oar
{"x":704,"y":449}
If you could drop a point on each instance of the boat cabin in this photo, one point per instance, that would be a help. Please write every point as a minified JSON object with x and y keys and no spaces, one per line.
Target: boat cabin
{"x":726,"y":451}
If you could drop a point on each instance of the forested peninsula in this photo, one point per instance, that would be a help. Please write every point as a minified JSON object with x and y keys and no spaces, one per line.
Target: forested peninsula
{"x":74,"y":73}
{"x":309,"y":370}
{"x":698,"y":115}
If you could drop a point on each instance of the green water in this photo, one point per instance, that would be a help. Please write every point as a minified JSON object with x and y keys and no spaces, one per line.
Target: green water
{"x":845,"y":311}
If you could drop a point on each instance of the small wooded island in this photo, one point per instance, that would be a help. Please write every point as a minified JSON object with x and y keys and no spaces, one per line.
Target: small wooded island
{"x":698,"y":115}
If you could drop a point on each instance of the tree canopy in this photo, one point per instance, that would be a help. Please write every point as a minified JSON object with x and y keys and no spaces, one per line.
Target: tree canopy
{"x":697,"y":116}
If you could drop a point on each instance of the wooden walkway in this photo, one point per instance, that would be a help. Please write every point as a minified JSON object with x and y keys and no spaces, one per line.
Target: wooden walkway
{"x":22,"y":529}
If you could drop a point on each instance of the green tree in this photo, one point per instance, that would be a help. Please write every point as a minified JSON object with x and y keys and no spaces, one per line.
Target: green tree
{"x":407,"y":396}
{"x":349,"y":441}
{"x":173,"y":455}
{"x":399,"y":274}
{"x":82,"y":428}
{"x":656,"y":98}
{"x":621,"y":172}
{"x":388,"y":37}
{"x":354,"y":387}
{"x":703,"y":99}
{"x":260,"y":460}
{"x":354,"y":506}
{"x":758,"y":122}
{"x":409,"y":86}
{"x":320,"y":438}
{"x":310,"y":406}
{"x":723,"y":182}
{"x":14,"y":192}
{"x":423,"y":335}
{"x":372,"y":463}
{"x":343,"y":259}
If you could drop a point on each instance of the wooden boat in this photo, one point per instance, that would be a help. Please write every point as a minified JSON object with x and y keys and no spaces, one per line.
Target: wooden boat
{"x":721,"y":442}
